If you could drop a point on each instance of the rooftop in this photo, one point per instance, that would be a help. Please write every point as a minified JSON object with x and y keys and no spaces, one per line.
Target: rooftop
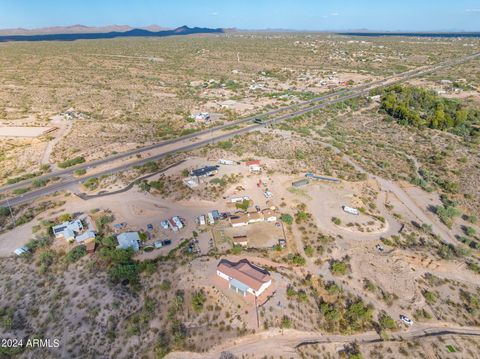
{"x":244,"y":272}
{"x":129,"y":240}
{"x":204,"y":171}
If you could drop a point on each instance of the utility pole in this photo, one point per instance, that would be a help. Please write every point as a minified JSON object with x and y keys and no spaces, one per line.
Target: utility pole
{"x":11,"y":212}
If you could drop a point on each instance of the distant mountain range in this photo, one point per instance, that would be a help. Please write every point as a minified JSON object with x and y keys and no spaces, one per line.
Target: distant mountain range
{"x":81,"y":32}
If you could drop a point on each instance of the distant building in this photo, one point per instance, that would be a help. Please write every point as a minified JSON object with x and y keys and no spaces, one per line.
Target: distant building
{"x":90,"y":245}
{"x":252,"y":163}
{"x":88,"y":239}
{"x":129,"y":240}
{"x":201,"y":117}
{"x":269,"y":215}
{"x":322,"y":178}
{"x":255,"y":168}
{"x":245,"y":219}
{"x":204,"y":171}
{"x":191,"y":182}
{"x":216,"y":215}
{"x":300,"y":183}
{"x":226,"y":162}
{"x":240,"y":241}
{"x":67,"y":230}
{"x":239,"y":199}
{"x":243,"y":277}
{"x":239,"y":221}
{"x":87,"y":236}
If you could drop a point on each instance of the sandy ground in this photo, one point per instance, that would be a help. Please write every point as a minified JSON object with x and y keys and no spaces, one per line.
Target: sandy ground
{"x":23,"y":131}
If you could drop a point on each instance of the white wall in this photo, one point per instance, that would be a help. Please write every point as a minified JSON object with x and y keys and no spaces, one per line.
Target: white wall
{"x":223,"y":275}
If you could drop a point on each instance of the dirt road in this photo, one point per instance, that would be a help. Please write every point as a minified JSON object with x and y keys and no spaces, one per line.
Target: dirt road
{"x":277,"y":342}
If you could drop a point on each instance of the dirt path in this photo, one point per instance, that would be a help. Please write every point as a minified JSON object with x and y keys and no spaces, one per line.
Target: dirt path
{"x":276,"y":342}
{"x":64,"y":128}
{"x":389,"y":186}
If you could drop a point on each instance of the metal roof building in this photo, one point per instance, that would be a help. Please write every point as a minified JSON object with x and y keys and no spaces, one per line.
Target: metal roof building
{"x":129,"y":240}
{"x":204,"y":171}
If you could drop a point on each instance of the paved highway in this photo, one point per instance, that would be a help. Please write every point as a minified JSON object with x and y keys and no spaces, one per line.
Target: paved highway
{"x":66,"y":181}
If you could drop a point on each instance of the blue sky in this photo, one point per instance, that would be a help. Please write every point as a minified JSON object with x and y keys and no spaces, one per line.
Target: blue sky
{"x":412,"y":15}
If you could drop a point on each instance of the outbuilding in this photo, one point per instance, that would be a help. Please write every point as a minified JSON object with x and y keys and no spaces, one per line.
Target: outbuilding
{"x":300,"y":183}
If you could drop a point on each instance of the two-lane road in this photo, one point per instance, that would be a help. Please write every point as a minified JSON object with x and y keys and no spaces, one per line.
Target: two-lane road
{"x":204,"y":137}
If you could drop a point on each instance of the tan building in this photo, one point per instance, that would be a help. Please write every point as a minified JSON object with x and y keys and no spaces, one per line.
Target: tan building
{"x":246,"y":218}
{"x":240,"y":241}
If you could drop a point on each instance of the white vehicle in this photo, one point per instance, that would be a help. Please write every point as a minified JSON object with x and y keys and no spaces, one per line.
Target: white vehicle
{"x":268,"y":194}
{"x":211,"y":221}
{"x":406,"y":320}
{"x":350,"y":210}
{"x":201,"y":220}
{"x":177,"y":222}
{"x":226,"y":162}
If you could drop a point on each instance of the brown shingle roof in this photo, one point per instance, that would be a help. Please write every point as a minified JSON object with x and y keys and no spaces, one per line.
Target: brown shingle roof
{"x":244,"y":272}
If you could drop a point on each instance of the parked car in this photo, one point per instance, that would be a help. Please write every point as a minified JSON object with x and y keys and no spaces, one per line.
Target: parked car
{"x":150,"y":227}
{"x":166,"y":242}
{"x":406,"y":319}
{"x":379,"y":248}
{"x":158,"y":244}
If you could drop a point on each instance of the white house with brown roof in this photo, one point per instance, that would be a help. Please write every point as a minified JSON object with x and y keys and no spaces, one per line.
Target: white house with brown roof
{"x":245,"y":219}
{"x":244,"y":277}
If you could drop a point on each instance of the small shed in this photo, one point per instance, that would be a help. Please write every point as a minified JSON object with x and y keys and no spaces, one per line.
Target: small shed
{"x":300,"y":183}
{"x":240,"y":240}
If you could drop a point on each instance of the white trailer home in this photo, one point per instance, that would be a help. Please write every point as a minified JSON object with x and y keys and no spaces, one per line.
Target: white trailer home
{"x":351,"y":210}
{"x":226,"y":162}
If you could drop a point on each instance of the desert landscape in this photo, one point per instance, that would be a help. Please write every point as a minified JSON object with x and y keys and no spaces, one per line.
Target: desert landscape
{"x":240,"y":194}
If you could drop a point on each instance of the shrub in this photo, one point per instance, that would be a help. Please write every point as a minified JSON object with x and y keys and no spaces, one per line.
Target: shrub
{"x":80,"y":172}
{"x":470,"y":231}
{"x":91,"y":183}
{"x":339,"y":268}
{"x":39,"y":183}
{"x":165,"y":285}
{"x":297,"y":259}
{"x":472,"y":219}
{"x":386,"y":321}
{"x":309,"y":251}
{"x":286,"y":218}
{"x":225,"y":145}
{"x":65,"y":217}
{"x":76,"y":253}
{"x":447,"y":214}
{"x":4,"y":211}
{"x":337,"y":221}
{"x":243,"y":205}
{"x":19,"y":191}
{"x":198,"y":299}
{"x":286,"y":322}
{"x":71,"y":162}
{"x":430,"y":297}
